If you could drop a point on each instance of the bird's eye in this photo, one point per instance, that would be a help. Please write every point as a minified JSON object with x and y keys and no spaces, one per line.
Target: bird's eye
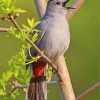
{"x":58,"y":3}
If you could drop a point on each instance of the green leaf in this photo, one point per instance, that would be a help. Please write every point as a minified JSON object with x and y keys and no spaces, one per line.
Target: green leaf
{"x":2,"y":92}
{"x":26,"y":27}
{"x":35,"y":37}
{"x":2,"y":83}
{"x":12,"y":3}
{"x":16,"y":73}
{"x":29,"y":22}
{"x":37,"y":31}
{"x":18,"y":34}
{"x":8,"y":3}
{"x":22,"y":72}
{"x":13,"y":96}
{"x":21,"y":80}
{"x":1,"y":3}
{"x":36,"y":23}
{"x":49,"y":72}
{"x":8,"y":74}
{"x":4,"y":76}
{"x":8,"y":7}
{"x":18,"y":10}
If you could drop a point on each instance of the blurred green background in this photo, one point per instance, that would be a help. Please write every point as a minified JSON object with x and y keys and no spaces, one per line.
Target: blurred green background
{"x":83,"y":55}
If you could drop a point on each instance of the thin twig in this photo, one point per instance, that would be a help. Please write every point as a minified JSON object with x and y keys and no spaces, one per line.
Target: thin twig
{"x":17,"y":86}
{"x":8,"y":18}
{"x":41,"y":7}
{"x":15,"y":23}
{"x":4,"y":29}
{"x":87,"y":92}
{"x":7,"y":29}
{"x":51,"y":82}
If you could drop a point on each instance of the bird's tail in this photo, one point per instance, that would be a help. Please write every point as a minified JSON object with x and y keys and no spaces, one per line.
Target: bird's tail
{"x":35,"y":89}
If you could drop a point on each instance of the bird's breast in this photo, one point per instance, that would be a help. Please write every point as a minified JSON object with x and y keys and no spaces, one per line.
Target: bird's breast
{"x":57,"y":37}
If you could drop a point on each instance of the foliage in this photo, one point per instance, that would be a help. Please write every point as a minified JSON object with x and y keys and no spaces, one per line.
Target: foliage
{"x":50,"y":72}
{"x":8,"y":7}
{"x":17,"y":64}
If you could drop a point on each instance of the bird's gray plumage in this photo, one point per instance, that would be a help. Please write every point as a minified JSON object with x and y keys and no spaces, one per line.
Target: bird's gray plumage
{"x":56,"y":38}
{"x":53,"y":40}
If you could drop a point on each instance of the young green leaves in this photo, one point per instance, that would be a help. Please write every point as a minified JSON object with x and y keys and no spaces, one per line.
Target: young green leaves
{"x":31,"y":24}
{"x":7,"y":7}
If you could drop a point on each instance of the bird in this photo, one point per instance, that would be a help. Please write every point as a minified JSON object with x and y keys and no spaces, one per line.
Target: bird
{"x":53,"y":40}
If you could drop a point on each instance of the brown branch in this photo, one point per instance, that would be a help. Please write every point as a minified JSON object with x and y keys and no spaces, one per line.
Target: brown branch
{"x":8,"y":17}
{"x":64,"y":80}
{"x":15,"y":23}
{"x":4,"y":29}
{"x":41,"y":7}
{"x":87,"y":92}
{"x":77,"y":4}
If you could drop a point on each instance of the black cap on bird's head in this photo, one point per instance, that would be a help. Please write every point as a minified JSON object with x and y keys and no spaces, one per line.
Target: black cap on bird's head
{"x":65,"y":2}
{"x":61,"y":3}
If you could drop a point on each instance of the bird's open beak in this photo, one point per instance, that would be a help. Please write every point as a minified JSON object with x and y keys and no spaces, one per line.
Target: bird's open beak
{"x":64,"y":5}
{"x":70,"y":8}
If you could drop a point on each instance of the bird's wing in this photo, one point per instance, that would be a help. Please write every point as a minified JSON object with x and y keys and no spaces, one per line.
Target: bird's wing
{"x":42,"y":27}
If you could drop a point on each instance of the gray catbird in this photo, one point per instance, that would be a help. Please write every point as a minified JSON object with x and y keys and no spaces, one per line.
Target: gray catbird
{"x":53,"y":40}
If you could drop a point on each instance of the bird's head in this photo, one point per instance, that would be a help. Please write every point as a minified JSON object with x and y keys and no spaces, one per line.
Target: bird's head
{"x":59,"y":3}
{"x":57,"y":6}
